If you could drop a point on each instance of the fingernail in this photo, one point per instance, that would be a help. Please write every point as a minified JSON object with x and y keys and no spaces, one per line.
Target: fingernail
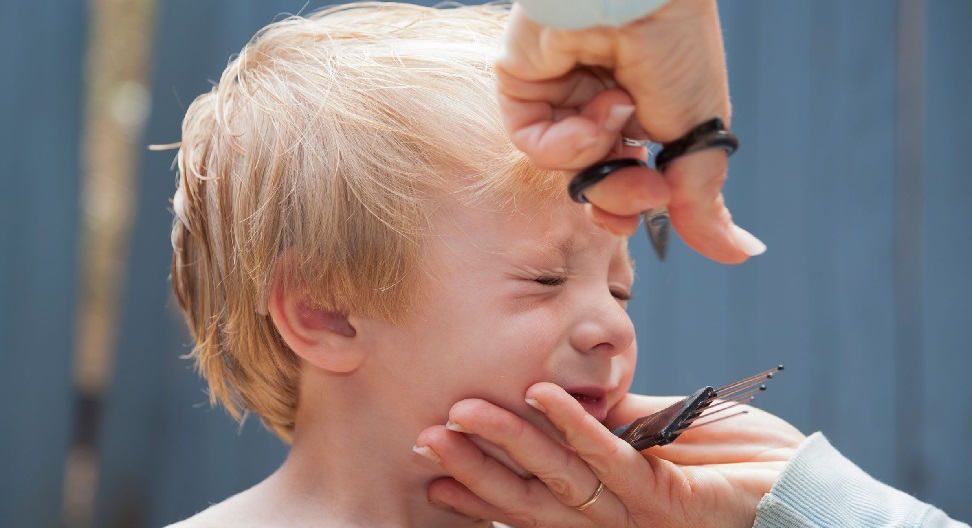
{"x":535,"y":404}
{"x":428,"y":453}
{"x":453,"y":426}
{"x":751,"y":245}
{"x":617,"y":116}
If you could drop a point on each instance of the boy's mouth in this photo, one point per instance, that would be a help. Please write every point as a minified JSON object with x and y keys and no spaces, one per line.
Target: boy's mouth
{"x":593,"y":399}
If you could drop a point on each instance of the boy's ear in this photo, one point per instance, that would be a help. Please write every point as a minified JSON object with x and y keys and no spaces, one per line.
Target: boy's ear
{"x":322,"y":338}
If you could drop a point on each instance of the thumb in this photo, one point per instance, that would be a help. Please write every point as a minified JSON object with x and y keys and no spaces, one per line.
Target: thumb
{"x":699,"y":213}
{"x":634,"y":406}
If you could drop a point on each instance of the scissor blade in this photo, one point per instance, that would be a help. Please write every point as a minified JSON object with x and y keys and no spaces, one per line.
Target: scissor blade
{"x":658,"y":226}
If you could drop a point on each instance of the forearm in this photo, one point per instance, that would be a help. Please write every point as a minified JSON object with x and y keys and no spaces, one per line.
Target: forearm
{"x":819,"y":487}
{"x":586,"y":13}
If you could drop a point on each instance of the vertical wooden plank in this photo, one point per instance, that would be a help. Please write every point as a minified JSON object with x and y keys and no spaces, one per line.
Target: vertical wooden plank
{"x":947,"y":285}
{"x":909,"y":178}
{"x":829,"y":99}
{"x":135,"y":430}
{"x":41,"y":52}
{"x":160,"y":461}
{"x":859,"y":170}
{"x":782,"y":220}
{"x":743,"y":44}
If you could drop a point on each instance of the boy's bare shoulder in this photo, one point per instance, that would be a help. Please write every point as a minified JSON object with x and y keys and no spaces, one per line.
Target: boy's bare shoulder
{"x":196,"y":521}
{"x":242,"y":510}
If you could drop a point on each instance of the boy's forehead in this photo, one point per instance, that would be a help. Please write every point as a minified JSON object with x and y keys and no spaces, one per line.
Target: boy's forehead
{"x":552,"y":230}
{"x":560,"y":242}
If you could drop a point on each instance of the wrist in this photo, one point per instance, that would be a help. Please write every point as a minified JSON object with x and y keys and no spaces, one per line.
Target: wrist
{"x":584,"y":14}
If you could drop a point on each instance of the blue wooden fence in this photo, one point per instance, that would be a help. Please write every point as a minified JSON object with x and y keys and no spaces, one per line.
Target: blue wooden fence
{"x":41,"y":49}
{"x":854,"y":121}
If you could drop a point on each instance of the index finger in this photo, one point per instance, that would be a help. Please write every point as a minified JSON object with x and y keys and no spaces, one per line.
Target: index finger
{"x":558,"y":113}
{"x":568,"y":137}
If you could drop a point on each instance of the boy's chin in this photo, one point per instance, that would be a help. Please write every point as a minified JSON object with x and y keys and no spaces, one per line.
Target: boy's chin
{"x":492,"y":450}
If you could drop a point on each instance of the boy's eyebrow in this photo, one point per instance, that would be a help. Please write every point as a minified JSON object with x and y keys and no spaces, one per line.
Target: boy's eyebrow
{"x":562,"y":247}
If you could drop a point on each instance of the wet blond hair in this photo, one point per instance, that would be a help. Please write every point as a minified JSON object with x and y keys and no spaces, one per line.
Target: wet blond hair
{"x":331,"y":139}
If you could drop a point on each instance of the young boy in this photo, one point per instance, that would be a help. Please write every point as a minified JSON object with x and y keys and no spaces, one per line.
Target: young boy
{"x":358,"y":246}
{"x":359,"y":252}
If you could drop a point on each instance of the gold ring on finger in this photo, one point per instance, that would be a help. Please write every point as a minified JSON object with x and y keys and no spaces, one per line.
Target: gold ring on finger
{"x":592,"y":500}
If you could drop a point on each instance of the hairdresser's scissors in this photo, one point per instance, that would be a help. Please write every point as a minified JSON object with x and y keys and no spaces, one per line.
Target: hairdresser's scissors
{"x":656,"y":221}
{"x":711,"y":134}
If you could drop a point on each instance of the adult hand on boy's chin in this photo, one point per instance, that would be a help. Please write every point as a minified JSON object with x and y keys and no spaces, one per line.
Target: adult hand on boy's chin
{"x":568,"y":96}
{"x":712,"y":476}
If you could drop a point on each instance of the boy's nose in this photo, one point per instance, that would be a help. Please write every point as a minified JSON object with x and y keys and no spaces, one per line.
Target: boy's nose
{"x":603,"y":328}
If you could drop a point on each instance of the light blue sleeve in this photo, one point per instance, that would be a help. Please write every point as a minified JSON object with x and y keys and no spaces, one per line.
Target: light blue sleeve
{"x":575,"y":14}
{"x":821,"y":488}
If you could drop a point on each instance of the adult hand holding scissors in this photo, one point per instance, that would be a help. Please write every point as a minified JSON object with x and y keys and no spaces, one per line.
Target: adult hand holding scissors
{"x":568,"y":96}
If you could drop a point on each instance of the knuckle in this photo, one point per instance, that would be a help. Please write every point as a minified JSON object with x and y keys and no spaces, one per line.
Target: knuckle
{"x":559,"y":487}
{"x":602,"y":460}
{"x":509,"y":430}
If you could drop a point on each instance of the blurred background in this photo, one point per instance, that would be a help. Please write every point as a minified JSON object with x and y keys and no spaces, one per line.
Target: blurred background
{"x":854,"y":117}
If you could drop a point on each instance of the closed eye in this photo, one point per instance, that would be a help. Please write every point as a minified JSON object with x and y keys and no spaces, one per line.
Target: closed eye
{"x":621,"y":295}
{"x":551,"y":280}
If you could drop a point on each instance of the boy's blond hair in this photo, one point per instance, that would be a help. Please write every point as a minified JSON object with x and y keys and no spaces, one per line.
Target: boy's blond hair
{"x":328,"y":143}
